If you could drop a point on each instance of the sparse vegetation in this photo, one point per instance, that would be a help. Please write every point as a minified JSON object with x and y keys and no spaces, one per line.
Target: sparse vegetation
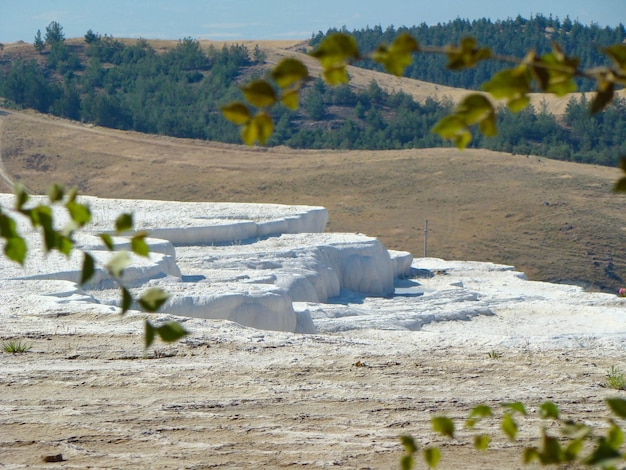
{"x":493,"y":354}
{"x":17,"y":346}
{"x":616,"y":378}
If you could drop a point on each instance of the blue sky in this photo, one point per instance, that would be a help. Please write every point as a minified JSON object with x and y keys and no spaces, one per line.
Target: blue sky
{"x":272,"y":19}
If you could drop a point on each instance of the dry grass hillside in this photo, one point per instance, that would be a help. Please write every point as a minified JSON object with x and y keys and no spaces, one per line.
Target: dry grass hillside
{"x":556,"y":221}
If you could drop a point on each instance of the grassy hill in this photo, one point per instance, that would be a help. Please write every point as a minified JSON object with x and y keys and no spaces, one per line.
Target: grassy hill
{"x":557,"y":221}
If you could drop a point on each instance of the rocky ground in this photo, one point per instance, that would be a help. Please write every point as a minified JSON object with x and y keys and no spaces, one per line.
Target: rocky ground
{"x":234,"y":397}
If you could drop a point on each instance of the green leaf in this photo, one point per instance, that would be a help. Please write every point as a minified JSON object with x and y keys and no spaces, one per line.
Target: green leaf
{"x":551,"y":451}
{"x":138,"y":244}
{"x":118,"y":262}
{"x":259,"y":93}
{"x":518,"y":104}
{"x":260,"y":129}
{"x":617,"y":406}
{"x":64,"y":244}
{"x":42,"y":216}
{"x":409,"y":444}
{"x":398,"y":56}
{"x":334,"y":52}
{"x":336,"y":49}
{"x":575,"y":430}
{"x":617,"y":53}
{"x":55,"y":193}
{"x":604,"y":95}
{"x":479,"y":412}
{"x":15,"y":247}
{"x":152,"y":299}
{"x":432,"y":456}
{"x":89,"y":268}
{"x":407,"y":462}
{"x":107,"y":240}
{"x":513,"y":85}
{"x":462,"y":140}
{"x":470,"y":423}
{"x":21,"y":197}
{"x":124,"y":223}
{"x":509,"y":426}
{"x":555,"y":72}
{"x":530,"y":455}
{"x":237,"y":113}
{"x":516,"y":407}
{"x":443,"y":425}
{"x":80,"y":213}
{"x":291,"y":99}
{"x":288,"y":72}
{"x":149,"y":334}
{"x":466,"y":55}
{"x":403,"y":44}
{"x":72,"y":194}
{"x":127,"y":300}
{"x":449,"y":126}
{"x":488,"y":126}
{"x":573,"y":450}
{"x":604,"y":455}
{"x":615,"y":436}
{"x":481,"y":442}
{"x":171,"y":331}
{"x":336,"y":75}
{"x":620,"y":186}
{"x":549,"y":410}
{"x":475,"y":108}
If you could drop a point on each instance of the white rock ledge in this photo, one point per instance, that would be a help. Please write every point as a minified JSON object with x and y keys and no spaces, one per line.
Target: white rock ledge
{"x":247,"y":263}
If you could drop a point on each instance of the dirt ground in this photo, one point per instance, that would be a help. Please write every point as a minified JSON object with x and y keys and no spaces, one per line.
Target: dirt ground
{"x":232,"y":397}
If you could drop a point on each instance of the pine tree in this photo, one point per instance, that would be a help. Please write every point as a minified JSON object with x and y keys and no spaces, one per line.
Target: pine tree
{"x":54,"y":33}
{"x":39,"y":44}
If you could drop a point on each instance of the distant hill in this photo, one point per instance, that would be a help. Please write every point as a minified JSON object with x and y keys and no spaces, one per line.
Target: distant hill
{"x":176,"y":88}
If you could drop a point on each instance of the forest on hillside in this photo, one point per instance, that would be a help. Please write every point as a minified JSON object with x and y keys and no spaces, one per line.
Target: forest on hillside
{"x":129,"y":85}
{"x":512,"y":37}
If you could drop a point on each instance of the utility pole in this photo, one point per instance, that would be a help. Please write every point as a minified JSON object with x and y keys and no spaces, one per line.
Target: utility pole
{"x":425,"y":238}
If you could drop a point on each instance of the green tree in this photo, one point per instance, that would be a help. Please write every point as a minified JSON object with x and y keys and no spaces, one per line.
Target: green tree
{"x":54,"y":34}
{"x":91,"y":37}
{"x":258,"y":55}
{"x":314,"y":102}
{"x":39,"y":43}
